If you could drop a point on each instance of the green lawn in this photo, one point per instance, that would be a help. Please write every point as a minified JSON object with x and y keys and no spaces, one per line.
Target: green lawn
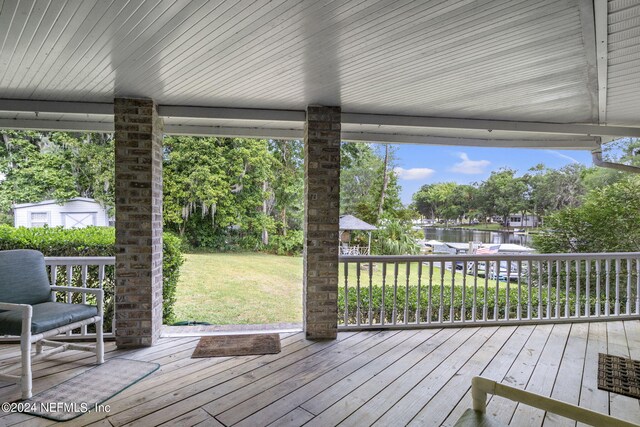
{"x":231,"y":288}
{"x":250,"y":288}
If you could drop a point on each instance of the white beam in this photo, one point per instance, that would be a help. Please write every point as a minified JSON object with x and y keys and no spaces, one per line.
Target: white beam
{"x":257,"y":115}
{"x":59,"y":125}
{"x":236,"y":132}
{"x":574,"y":144}
{"x":489,"y":125}
{"x":602,"y":33}
{"x":231,"y":113}
{"x":28,"y":106}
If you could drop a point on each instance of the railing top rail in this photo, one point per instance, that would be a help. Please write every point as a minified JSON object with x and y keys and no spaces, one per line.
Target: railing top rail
{"x":492,"y":257}
{"x":80,"y":260}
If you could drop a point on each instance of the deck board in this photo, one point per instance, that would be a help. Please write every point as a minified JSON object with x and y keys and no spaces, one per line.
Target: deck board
{"x":415,"y":377}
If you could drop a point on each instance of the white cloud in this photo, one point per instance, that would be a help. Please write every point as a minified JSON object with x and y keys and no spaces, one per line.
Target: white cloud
{"x":468,"y":166}
{"x":562,"y":156}
{"x":413,"y":174}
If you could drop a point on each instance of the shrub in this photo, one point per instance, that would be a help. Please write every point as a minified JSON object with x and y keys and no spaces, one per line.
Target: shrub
{"x":291,"y":244}
{"x":394,"y":306}
{"x":94,"y":241}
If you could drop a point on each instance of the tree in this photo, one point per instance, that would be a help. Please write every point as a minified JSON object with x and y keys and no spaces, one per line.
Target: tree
{"x":367,"y":183}
{"x":437,"y":200}
{"x":550,"y":190}
{"x":607,"y":221}
{"x":288,"y":183}
{"x":36,"y":166}
{"x":502,"y":194}
{"x":221,"y":180}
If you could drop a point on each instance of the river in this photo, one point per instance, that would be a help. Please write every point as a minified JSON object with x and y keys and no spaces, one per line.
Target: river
{"x":457,"y":235}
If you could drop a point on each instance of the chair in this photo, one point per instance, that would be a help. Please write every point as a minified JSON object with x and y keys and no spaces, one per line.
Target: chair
{"x":481,"y":387}
{"x":28,"y":309}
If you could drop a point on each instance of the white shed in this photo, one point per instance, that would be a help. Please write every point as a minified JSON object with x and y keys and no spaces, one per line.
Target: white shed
{"x":78,"y":212}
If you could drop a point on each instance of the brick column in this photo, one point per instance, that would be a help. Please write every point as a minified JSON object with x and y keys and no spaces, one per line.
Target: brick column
{"x":138,"y":193}
{"x":321,"y":216}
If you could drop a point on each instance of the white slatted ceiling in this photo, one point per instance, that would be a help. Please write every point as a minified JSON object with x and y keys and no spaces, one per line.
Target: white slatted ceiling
{"x":623,"y":100}
{"x":518,"y":59}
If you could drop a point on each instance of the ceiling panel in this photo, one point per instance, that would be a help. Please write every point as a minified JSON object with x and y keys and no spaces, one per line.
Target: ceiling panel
{"x":623,"y":95}
{"x":497,"y":59}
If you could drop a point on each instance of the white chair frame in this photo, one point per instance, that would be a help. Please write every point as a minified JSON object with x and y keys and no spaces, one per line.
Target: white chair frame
{"x":27,"y":339}
{"x":480,"y":387}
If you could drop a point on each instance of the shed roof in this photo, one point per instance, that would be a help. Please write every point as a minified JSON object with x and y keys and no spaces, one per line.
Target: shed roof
{"x":491,"y":73}
{"x":54,"y":202}
{"x":350,"y":222}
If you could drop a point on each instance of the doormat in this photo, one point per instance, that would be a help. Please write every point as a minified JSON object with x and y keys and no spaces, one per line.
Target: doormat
{"x":237,"y":345}
{"x":619,"y":375}
{"x":87,"y":391}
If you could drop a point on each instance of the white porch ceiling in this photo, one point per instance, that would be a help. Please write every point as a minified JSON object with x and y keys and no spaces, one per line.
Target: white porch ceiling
{"x":506,"y":60}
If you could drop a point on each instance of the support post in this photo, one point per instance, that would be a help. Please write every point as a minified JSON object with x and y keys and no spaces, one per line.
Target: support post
{"x":321,"y":221}
{"x":138,"y":194}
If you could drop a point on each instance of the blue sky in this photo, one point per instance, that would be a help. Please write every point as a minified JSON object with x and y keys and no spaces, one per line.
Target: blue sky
{"x":417,"y":165}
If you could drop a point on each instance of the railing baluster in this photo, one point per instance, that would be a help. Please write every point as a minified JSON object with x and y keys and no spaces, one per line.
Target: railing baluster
{"x":441,"y":308}
{"x":474,"y":315}
{"x":429,"y":297}
{"x":558,"y":289}
{"x":567,"y":306}
{"x":406,"y":295}
{"x":529,"y":294}
{"x":346,"y":293}
{"x":395,"y":292}
{"x":383,"y":313}
{"x":578,"y":287}
{"x":507,"y":306}
{"x":617,"y":303}
{"x":485,"y":306}
{"x":358,"y":298}
{"x":453,"y":283}
{"x":637,"y":286}
{"x":463,"y":305}
{"x":607,"y":287}
{"x":496,"y":303}
{"x":628,"y":295}
{"x":519,"y":309}
{"x":540,"y":285}
{"x":370,"y":293}
{"x":549,"y":280}
{"x":587,"y":284}
{"x":419,"y":302}
{"x":598,"y":302}
{"x":84,"y":296}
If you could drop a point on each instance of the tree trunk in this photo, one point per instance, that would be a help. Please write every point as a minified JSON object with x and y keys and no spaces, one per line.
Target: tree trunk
{"x":265,"y":232}
{"x":385,"y":180}
{"x":284,"y":221}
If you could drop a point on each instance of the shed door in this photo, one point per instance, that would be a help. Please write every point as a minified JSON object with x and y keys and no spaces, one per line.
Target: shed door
{"x":78,"y":219}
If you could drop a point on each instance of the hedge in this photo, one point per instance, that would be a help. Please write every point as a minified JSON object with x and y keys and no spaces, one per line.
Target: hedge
{"x":94,"y":241}
{"x":412,"y":306}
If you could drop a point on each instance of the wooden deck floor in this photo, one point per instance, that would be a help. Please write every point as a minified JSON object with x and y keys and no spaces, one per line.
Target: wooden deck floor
{"x":419,"y":377}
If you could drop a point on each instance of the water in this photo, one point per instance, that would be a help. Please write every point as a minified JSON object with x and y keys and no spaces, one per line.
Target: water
{"x":456,"y":235}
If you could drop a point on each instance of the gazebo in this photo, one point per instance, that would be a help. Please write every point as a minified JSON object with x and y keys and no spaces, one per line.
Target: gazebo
{"x":349,"y":223}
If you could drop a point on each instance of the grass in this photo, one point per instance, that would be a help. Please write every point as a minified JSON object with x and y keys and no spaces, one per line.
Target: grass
{"x":232,"y":288}
{"x":250,"y":288}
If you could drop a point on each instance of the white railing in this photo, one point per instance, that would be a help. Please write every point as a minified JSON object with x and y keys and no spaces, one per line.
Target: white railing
{"x":440,"y":290}
{"x":85,"y":272}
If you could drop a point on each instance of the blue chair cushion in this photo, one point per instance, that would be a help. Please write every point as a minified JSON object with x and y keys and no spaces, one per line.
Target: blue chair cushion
{"x":23,"y":277}
{"x":46,"y":316}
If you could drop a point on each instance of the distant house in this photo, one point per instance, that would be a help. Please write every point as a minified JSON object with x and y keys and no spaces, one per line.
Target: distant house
{"x":518,"y":220}
{"x":78,"y":212}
